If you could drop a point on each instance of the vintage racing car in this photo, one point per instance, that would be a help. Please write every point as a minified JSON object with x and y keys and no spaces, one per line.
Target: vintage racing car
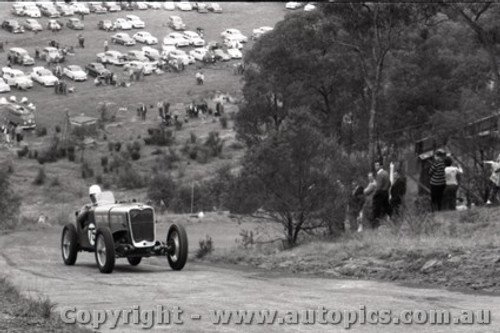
{"x":120,"y":230}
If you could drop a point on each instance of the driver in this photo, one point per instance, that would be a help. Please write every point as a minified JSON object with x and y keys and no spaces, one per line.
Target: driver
{"x":83,"y":213}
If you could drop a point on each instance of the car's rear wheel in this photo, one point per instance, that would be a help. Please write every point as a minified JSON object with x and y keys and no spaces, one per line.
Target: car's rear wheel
{"x":178,"y":243}
{"x":134,"y":261}
{"x":69,"y":244}
{"x":104,"y":250}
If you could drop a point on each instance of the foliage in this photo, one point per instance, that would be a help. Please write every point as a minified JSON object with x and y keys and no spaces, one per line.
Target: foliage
{"x":206,"y":247}
{"x":40,"y":177}
{"x":10,"y":202}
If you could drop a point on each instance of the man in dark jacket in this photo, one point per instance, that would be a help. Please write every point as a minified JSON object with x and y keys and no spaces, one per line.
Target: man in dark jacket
{"x":381,"y":206}
{"x":398,"y":191}
{"x":438,"y":180}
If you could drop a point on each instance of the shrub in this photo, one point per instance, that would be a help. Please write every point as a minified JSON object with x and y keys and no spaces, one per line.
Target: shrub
{"x":98,"y":179}
{"x":55,"y":182}
{"x":118,"y":146}
{"x":159,"y":136}
{"x":58,"y":129}
{"x":104,"y":161}
{"x":236,"y":145}
{"x":178,"y":125}
{"x":214,"y":144}
{"x":71,"y":154}
{"x":41,"y":131}
{"x":40,"y":177}
{"x":206,"y":247}
{"x":129,"y":178}
{"x":111,"y":146}
{"x":9,"y":202}
{"x":192,"y":138}
{"x":134,"y":150}
{"x":162,"y":189}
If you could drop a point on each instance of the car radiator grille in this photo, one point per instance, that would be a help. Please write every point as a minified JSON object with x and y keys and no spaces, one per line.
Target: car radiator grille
{"x":142,"y":225}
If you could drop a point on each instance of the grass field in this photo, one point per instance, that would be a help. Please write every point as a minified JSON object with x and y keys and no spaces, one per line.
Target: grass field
{"x":56,"y":201}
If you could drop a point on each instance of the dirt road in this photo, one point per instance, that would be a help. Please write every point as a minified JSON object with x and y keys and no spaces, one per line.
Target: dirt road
{"x":32,"y":261}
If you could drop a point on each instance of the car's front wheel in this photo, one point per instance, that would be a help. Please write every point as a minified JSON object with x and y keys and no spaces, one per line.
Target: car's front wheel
{"x":69,"y":244}
{"x":104,"y":250}
{"x":177,"y":243}
{"x":134,"y":261}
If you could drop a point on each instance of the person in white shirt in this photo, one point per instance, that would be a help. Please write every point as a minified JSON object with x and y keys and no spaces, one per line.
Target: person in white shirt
{"x":494,"y":178}
{"x":452,"y":175}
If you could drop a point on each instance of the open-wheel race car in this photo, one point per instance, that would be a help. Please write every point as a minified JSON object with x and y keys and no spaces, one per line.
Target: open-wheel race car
{"x":120,"y":230}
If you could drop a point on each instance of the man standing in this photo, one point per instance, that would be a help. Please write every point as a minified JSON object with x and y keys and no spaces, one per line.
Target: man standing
{"x":381,"y":206}
{"x":438,"y":180}
{"x":81,"y":41}
{"x":452,"y":174}
{"x":398,"y":191}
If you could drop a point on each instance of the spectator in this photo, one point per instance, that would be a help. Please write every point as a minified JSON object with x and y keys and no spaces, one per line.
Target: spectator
{"x":106,"y":46}
{"x":494,"y":180}
{"x":19,"y":134}
{"x":81,"y":41}
{"x":452,"y":175}
{"x":367,"y":211}
{"x":355,"y":206}
{"x":398,"y":191}
{"x":381,"y":206}
{"x":200,"y":78}
{"x":438,"y":180}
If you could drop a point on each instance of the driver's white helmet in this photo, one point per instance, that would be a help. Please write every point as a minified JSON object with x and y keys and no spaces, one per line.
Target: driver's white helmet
{"x":94,"y":189}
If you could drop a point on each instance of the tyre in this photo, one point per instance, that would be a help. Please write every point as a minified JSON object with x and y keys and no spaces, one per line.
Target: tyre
{"x":69,"y":244}
{"x":134,"y":261}
{"x":104,"y":250}
{"x":177,"y":240}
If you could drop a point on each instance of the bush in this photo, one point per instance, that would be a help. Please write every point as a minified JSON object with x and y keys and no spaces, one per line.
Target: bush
{"x":129,"y":178}
{"x":159,"y":136}
{"x":98,"y":179}
{"x":134,"y":150}
{"x":162,"y":189}
{"x":178,"y":125}
{"x":41,"y":131}
{"x":206,"y":247}
{"x":40,"y":177}
{"x":192,"y":138}
{"x":214,"y":144}
{"x":104,"y":161}
{"x":58,"y":129}
{"x":55,"y":182}
{"x":71,"y":153}
{"x":111,"y":146}
{"x":9,"y":202}
{"x":118,"y":146}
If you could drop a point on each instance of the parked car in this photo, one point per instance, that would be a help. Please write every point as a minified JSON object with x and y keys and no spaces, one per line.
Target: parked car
{"x":75,"y":24}
{"x":97,"y":69}
{"x":18,"y":115}
{"x":179,"y":54}
{"x":137,"y":55}
{"x":175,"y":22}
{"x":111,"y":6}
{"x":17,"y":9}
{"x":177,"y":39}
{"x":258,"y":32}
{"x":139,"y":5}
{"x":112,"y":57}
{"x":31,"y":10}
{"x":123,"y":24}
{"x":148,"y":67}
{"x":233,"y":43}
{"x":293,"y":5}
{"x":12,"y":26}
{"x":106,"y":25}
{"x":234,"y":34}
{"x":4,"y":87}
{"x":44,"y":76}
{"x":214,"y":7}
{"x":122,"y":38}
{"x":136,"y":22}
{"x":145,"y":38}
{"x":51,"y":54}
{"x":120,"y":230}
{"x":64,"y":9}
{"x":20,"y":56}
{"x":75,"y":73}
{"x":151,"y":53}
{"x":310,"y":7}
{"x":221,"y":55}
{"x":53,"y":25}
{"x":169,"y":5}
{"x":202,"y":8}
{"x":16,"y":78}
{"x":194,"y":38}
{"x":50,"y":11}
{"x":235,"y":53}
{"x":32,"y":25}
{"x":80,"y":8}
{"x":198,"y":53}
{"x":97,"y":8}
{"x":154,"y":5}
{"x":184,"y":6}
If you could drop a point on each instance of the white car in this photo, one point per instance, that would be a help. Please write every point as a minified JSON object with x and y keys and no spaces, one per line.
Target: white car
{"x":184,"y":6}
{"x":136,"y":22}
{"x":179,"y":54}
{"x":169,"y":5}
{"x":123,"y":24}
{"x":194,"y":38}
{"x":137,"y":55}
{"x":32,"y":24}
{"x":31,"y":10}
{"x":233,"y":43}
{"x":44,"y":76}
{"x":151,"y":53}
{"x":4,"y":87}
{"x":256,"y":33}
{"x":214,"y":7}
{"x":293,"y":5}
{"x":221,"y":55}
{"x":112,"y":57}
{"x":17,"y":9}
{"x":148,"y":67}
{"x":16,"y":78}
{"x":75,"y":73}
{"x":140,"y":5}
{"x":154,"y":5}
{"x":235,"y":53}
{"x":310,"y":7}
{"x":145,"y":38}
{"x":111,"y":6}
{"x":64,"y":9}
{"x":80,"y":8}
{"x":177,"y":39}
{"x":234,"y":34}
{"x":198,"y":53}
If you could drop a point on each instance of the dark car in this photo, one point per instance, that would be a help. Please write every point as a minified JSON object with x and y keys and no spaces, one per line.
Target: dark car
{"x":106,"y":25}
{"x":12,"y":26}
{"x":97,"y":8}
{"x":120,"y":230}
{"x":96,"y":69}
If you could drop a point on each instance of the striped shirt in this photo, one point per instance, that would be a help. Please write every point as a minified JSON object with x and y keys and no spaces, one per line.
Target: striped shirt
{"x":437,"y":173}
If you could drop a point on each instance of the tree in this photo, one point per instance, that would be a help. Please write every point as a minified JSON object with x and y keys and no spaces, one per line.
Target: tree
{"x":292,"y":181}
{"x":9,"y":202}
